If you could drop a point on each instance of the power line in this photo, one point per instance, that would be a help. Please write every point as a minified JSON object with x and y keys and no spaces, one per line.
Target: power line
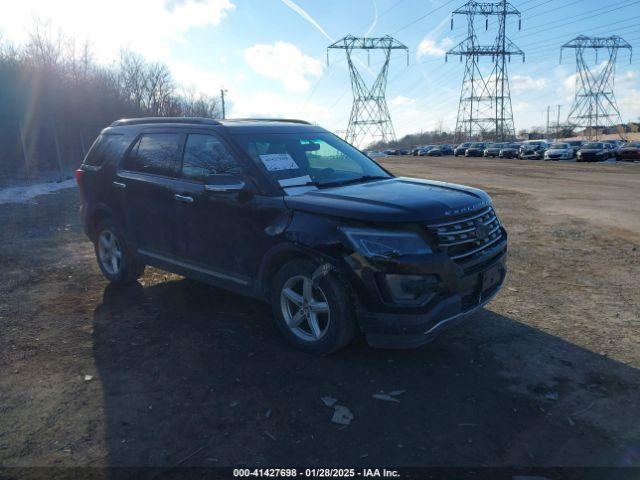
{"x":413,"y":22}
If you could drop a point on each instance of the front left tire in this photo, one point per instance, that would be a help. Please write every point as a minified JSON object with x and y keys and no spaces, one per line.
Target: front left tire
{"x":312,"y":310}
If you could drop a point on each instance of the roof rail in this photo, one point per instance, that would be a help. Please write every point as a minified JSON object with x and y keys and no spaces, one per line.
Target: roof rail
{"x":139,"y":121}
{"x":287,"y":120}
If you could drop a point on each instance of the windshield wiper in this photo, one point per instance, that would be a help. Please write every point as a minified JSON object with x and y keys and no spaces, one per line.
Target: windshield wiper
{"x":306,"y":184}
{"x":364,"y":178}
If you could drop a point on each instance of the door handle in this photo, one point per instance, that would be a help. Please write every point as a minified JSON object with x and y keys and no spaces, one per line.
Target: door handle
{"x":120,"y":185}
{"x":183,"y":198}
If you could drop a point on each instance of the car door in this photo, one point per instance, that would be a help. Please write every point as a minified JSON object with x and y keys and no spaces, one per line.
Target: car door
{"x":215,"y":226}
{"x":145,"y":178}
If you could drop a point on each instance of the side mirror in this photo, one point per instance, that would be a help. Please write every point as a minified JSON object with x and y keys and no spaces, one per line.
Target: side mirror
{"x":223,"y":182}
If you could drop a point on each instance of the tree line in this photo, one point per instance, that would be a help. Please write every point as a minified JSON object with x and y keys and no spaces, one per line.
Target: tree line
{"x":55,"y":98}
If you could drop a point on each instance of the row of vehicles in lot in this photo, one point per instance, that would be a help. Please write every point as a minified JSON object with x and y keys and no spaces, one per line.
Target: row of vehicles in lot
{"x":578,"y":150}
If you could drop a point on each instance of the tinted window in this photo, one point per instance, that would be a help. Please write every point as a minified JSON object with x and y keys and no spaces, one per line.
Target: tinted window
{"x":105,"y":147}
{"x":154,"y":153}
{"x":206,"y":155}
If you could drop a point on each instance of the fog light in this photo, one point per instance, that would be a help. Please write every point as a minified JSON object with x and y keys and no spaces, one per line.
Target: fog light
{"x":413,"y":289}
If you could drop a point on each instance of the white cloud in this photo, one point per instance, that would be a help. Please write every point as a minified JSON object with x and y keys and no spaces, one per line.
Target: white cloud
{"x":433,"y":48}
{"x":269,"y":104}
{"x":187,"y":75}
{"x":401,"y":101}
{"x":146,"y":26}
{"x":525,"y":83}
{"x":521,"y":107}
{"x":285,"y":63}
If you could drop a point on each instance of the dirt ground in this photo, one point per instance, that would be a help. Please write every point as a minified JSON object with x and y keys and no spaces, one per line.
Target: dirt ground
{"x":173,"y":372}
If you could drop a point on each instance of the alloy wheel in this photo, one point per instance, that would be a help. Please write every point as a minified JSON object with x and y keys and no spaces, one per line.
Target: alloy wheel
{"x":109,"y":252}
{"x":305,"y":308}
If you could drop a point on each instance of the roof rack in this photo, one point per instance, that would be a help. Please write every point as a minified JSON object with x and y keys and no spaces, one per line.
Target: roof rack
{"x":286,"y":120}
{"x":139,"y":121}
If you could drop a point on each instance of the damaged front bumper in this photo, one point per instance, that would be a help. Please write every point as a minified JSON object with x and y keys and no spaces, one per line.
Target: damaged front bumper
{"x":457,"y":293}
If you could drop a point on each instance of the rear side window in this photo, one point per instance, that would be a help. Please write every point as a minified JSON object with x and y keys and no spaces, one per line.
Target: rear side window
{"x":154,"y":153}
{"x":106,"y":146}
{"x":205,"y":155}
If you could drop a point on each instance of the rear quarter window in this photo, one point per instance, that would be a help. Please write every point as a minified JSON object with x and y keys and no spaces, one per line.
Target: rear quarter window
{"x":107,"y":146}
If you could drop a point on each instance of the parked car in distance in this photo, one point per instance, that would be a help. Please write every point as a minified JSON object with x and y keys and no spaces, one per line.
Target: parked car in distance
{"x":461,"y":149}
{"x":375,"y":154}
{"x":595,"y":152}
{"x":510,"y":150}
{"x":440,"y":150}
{"x":289,"y":213}
{"x":575,"y":145}
{"x":425,"y":150}
{"x":533,"y":149}
{"x":559,"y":151}
{"x":493,"y":149}
{"x":392,"y":152}
{"x":629,"y":151}
{"x":476,"y":149}
{"x":615,"y":144}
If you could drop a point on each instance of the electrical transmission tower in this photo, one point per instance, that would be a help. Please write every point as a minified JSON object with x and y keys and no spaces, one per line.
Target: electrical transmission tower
{"x":484,"y":111}
{"x":594,"y":106}
{"x":370,"y":120}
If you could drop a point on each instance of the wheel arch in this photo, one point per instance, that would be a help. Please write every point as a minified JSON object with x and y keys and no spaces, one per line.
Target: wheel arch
{"x":275,"y":258}
{"x":98,"y":214}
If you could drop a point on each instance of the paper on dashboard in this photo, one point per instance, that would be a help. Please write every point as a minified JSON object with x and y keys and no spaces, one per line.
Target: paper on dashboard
{"x":278,"y":161}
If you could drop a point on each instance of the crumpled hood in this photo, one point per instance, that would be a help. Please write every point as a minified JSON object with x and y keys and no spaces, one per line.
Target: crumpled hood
{"x":397,"y":199}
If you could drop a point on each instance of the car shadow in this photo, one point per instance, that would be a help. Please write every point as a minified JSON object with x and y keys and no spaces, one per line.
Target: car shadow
{"x":193,"y":375}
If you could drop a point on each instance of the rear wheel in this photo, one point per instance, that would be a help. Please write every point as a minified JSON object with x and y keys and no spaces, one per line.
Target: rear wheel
{"x":313,"y":314}
{"x":117,"y":263}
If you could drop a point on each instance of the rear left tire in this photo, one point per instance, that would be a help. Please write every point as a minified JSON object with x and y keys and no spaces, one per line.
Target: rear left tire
{"x":116,"y":261}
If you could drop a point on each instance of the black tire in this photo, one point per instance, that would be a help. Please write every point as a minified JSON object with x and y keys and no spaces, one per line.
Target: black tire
{"x":129,"y":269}
{"x":341,"y":326}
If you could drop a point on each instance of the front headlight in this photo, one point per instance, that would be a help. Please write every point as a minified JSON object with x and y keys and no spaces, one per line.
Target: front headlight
{"x":387,"y":244}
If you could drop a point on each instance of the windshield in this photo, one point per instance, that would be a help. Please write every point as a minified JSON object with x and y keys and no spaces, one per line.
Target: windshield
{"x":595,"y":146}
{"x":559,"y":146}
{"x":477,"y":145}
{"x":318,"y":159}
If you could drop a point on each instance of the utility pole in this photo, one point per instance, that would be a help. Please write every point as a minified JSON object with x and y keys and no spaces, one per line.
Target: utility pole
{"x":485,"y":109}
{"x":548,"y":111}
{"x":222,"y":92}
{"x":370,"y":120}
{"x":558,"y":123}
{"x":594,"y":106}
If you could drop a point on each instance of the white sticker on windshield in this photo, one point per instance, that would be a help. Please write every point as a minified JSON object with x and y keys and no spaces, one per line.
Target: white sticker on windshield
{"x":288,"y":182}
{"x":296,"y":185}
{"x":278,"y":161}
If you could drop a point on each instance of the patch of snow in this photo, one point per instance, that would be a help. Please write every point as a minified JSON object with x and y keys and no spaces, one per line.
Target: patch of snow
{"x":24,"y":193}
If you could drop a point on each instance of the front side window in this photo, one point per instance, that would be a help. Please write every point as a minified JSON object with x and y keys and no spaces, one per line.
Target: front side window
{"x":205,"y":155}
{"x":154,"y":153}
{"x":321,"y":159}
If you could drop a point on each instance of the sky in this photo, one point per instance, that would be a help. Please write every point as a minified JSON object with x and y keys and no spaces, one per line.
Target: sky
{"x":271,"y":57}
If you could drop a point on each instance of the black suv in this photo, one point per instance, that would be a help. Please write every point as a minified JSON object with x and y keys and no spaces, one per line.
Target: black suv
{"x":285,"y":211}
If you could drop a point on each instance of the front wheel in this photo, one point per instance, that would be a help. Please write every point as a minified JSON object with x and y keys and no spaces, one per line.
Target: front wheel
{"x":117,"y":263}
{"x":312,"y":309}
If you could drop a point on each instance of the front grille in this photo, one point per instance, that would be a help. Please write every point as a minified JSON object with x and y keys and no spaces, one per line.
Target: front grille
{"x":469,"y":235}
